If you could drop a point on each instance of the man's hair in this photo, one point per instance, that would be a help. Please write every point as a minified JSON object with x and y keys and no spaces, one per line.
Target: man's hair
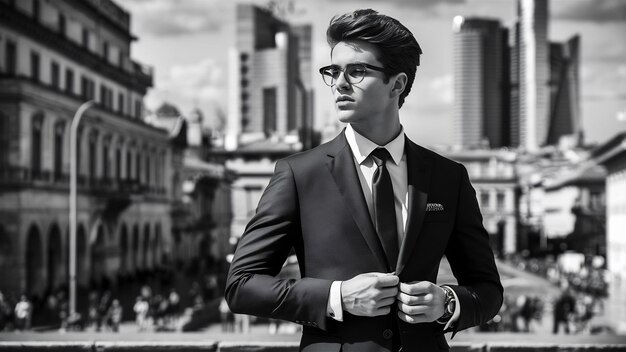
{"x":399,"y":51}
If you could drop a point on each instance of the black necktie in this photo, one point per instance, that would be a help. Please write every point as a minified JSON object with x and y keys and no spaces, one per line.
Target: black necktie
{"x":384,"y":207}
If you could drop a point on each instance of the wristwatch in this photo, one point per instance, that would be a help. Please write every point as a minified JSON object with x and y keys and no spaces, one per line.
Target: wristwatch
{"x":449,"y":305}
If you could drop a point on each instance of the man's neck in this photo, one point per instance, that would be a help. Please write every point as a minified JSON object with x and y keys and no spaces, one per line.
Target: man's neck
{"x":380,"y":134}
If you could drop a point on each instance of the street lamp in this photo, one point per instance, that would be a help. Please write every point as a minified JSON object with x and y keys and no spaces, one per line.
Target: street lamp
{"x":73,"y":176}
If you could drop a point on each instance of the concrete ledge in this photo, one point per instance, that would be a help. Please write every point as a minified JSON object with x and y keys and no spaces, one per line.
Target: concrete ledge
{"x":155,"y":346}
{"x":209,"y":346}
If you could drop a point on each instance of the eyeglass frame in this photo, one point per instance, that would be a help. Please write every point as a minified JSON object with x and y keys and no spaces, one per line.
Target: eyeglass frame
{"x":343,"y":71}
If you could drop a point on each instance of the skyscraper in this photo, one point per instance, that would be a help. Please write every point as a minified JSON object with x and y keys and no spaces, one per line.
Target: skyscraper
{"x":270,"y":79}
{"x":564,"y":91}
{"x":533,"y":58}
{"x":481,"y":71}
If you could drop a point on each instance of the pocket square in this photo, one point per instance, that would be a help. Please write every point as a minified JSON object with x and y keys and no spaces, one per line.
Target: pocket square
{"x":434,"y":207}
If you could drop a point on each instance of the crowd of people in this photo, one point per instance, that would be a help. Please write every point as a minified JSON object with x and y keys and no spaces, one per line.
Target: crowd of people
{"x":15,"y":315}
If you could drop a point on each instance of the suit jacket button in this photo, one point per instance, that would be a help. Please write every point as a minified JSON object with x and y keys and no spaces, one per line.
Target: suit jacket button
{"x":387,"y":334}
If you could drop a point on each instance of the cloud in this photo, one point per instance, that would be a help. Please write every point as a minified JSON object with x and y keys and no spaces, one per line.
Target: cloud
{"x":197,"y":85}
{"x":590,"y":10}
{"x":176,"y":17}
{"x":603,"y":81}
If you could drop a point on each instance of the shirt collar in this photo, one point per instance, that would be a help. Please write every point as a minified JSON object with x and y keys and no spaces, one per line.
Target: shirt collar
{"x":362,"y":147}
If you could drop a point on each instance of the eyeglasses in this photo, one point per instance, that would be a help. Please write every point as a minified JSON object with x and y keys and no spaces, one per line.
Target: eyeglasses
{"x":353,"y":73}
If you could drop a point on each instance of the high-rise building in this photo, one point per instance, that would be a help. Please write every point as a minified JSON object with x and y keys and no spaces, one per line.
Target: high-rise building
{"x":564,"y":91}
{"x":55,"y":55}
{"x":481,"y":72}
{"x":534,"y":73}
{"x":271,"y":89}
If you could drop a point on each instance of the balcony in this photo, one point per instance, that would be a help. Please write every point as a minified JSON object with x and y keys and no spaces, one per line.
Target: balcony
{"x":15,"y":178}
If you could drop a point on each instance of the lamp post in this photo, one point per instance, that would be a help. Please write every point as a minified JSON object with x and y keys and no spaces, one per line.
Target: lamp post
{"x":73,"y":176}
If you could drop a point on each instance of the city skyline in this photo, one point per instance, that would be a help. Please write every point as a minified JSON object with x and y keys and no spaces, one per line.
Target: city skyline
{"x":187,"y":45}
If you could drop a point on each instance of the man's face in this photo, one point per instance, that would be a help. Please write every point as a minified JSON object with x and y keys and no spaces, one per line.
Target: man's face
{"x":368,"y":100}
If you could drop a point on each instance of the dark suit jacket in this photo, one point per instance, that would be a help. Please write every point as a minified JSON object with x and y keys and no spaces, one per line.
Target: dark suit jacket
{"x":314,"y":204}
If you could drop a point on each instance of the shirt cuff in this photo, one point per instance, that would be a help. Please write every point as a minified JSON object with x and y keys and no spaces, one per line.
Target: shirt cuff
{"x":334,"y":308}
{"x":457,"y":311}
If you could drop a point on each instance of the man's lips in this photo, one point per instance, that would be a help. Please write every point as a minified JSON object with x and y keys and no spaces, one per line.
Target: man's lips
{"x":343,"y":98}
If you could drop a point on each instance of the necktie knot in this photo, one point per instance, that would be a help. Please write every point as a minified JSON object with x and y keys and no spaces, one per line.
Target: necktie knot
{"x":380,"y":156}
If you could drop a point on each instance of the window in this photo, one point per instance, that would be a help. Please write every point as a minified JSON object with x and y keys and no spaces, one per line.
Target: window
{"x":35,"y":159}
{"x":138,"y":108}
{"x":105,"y":159}
{"x":484,"y":199}
{"x":269,"y":110}
{"x":87,"y":88}
{"x":147,"y":170}
{"x":118,"y":164}
{"x":85,"y":37}
{"x":34,"y":66}
{"x":500,"y":200}
{"x":105,"y":51}
{"x":120,"y":59}
{"x":54,"y":75}
{"x":103,"y":95}
{"x":11,"y":58}
{"x":36,"y":10}
{"x":120,"y":103}
{"x":129,"y":161}
{"x":138,"y":167}
{"x":69,"y":81}
{"x":62,"y":25}
{"x":59,"y":132}
{"x":93,"y":140}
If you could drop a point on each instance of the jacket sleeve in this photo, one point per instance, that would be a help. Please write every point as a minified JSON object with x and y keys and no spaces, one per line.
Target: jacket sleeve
{"x":252,"y":286}
{"x":472,"y":261}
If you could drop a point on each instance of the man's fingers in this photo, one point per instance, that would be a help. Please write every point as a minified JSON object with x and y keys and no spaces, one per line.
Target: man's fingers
{"x":412,"y":319}
{"x":414,"y":300}
{"x":388,"y":280}
{"x":416,"y":288}
{"x":413,"y":310}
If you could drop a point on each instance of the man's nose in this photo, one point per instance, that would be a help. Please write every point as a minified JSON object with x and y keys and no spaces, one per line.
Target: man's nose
{"x":342,"y":82}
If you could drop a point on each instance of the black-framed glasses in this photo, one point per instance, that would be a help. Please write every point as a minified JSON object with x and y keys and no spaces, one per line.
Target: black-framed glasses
{"x":353,"y":73}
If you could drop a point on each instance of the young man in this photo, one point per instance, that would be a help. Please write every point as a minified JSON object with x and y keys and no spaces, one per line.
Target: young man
{"x":370,"y":215}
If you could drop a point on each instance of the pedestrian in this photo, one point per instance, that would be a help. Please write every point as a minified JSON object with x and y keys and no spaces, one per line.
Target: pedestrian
{"x":23,"y":313}
{"x":226,"y":317}
{"x":141,"y":308}
{"x":6,"y":313}
{"x":115,"y":315}
{"x":563,"y":311}
{"x":369,"y":216}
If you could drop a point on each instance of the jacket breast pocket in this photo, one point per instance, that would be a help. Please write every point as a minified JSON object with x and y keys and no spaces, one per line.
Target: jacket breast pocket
{"x":437,"y":216}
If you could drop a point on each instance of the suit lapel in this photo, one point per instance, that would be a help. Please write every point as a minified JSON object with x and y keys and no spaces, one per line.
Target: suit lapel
{"x":341,"y":166}
{"x":419,"y":172}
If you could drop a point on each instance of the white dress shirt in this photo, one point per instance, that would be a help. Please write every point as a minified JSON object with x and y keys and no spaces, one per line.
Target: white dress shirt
{"x":397,"y":166}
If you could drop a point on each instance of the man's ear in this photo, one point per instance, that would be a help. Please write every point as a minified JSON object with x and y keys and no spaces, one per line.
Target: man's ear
{"x":399,"y":83}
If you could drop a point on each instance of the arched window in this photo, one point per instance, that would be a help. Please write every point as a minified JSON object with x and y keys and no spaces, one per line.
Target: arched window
{"x":59,"y":134}
{"x":5,"y":255}
{"x":35,"y":158}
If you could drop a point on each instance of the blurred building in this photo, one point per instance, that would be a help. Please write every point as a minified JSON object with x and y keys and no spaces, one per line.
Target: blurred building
{"x":532,"y":50}
{"x":55,"y":55}
{"x":481,"y":87}
{"x":270,"y":108}
{"x":612,"y":155}
{"x":201,"y":211}
{"x":565,"y":119}
{"x":270,"y":73}
{"x":574,"y":213}
{"x":493,"y":175}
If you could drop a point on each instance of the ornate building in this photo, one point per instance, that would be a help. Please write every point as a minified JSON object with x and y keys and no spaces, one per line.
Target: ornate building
{"x":55,"y":55}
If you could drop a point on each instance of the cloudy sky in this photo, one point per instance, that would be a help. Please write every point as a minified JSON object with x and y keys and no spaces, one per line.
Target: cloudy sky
{"x":187,"y":42}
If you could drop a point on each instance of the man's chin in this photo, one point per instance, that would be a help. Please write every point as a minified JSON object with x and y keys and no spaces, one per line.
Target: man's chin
{"x":345,"y":116}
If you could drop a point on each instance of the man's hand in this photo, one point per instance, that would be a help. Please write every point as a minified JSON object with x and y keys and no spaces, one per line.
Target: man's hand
{"x":420,"y":302}
{"x":369,"y":294}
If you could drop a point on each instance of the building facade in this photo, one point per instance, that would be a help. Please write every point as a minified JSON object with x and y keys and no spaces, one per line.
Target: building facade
{"x":493,"y":175}
{"x":481,"y":72}
{"x":53,"y":57}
